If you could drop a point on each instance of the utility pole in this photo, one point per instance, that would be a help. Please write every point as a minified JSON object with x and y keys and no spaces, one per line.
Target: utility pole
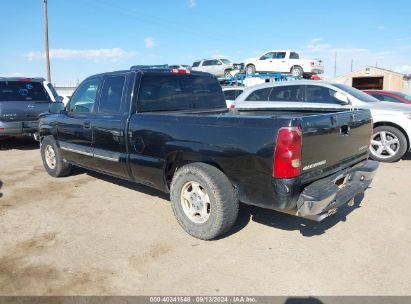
{"x":335,"y":65}
{"x":46,"y":40}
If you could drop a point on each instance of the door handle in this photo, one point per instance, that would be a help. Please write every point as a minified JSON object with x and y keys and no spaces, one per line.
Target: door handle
{"x":86,"y":125}
{"x":30,"y":106}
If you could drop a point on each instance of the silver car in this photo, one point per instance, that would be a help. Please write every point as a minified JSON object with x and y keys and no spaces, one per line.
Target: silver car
{"x":392,"y":122}
{"x":217,"y":67}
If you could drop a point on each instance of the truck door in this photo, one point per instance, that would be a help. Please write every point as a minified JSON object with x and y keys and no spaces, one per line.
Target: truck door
{"x":108,"y":127}
{"x":74,"y":134}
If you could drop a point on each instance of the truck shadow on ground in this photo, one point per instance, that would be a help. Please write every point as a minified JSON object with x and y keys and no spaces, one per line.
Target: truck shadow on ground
{"x":18,"y":143}
{"x":284,"y":221}
{"x":407,"y":156}
{"x":248,"y":213}
{"x":127,"y":184}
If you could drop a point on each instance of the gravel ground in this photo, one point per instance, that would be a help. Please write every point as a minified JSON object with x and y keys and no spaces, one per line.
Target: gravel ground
{"x":89,"y":234}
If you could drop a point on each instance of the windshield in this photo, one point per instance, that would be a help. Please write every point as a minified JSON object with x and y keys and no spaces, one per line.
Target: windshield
{"x":356,"y":93}
{"x":22,"y":91}
{"x":226,"y":61}
{"x":405,"y":96}
{"x":160,"y":92}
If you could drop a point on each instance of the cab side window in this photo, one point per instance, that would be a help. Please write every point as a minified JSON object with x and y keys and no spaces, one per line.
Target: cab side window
{"x":111,"y":95}
{"x":318,"y":94}
{"x":84,"y":98}
{"x":292,"y":93}
{"x":229,"y":94}
{"x":259,"y":95}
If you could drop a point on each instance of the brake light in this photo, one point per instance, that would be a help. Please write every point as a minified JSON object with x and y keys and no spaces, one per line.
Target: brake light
{"x":179,"y":71}
{"x":312,"y":63}
{"x":287,"y":153}
{"x":24,"y":80}
{"x":232,"y":106}
{"x":2,"y":129}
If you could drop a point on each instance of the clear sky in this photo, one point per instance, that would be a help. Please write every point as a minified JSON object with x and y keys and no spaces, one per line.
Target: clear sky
{"x":92,"y":36}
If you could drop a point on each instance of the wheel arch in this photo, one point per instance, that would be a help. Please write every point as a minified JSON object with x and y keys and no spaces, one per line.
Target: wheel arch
{"x":394,"y":125}
{"x":176,"y":160}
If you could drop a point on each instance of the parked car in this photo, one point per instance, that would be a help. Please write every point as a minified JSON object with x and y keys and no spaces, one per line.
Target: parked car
{"x":392,"y":122}
{"x":172,"y":131}
{"x":217,"y":67}
{"x":390,"y":96}
{"x":283,"y":62}
{"x":21,"y":102}
{"x":231,"y":93}
{"x":180,"y":67}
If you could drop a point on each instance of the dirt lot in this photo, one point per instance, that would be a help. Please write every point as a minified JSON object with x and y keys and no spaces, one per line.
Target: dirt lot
{"x":89,"y":234}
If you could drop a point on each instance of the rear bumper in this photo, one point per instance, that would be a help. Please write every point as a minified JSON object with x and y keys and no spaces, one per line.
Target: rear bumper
{"x":18,"y":128}
{"x":322,"y":197}
{"x":317,"y":71}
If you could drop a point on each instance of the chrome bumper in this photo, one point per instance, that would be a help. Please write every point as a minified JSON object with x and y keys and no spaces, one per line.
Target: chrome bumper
{"x":322,"y":197}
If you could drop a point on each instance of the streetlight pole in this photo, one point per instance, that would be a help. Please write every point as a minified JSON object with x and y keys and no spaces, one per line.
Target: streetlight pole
{"x":46,"y":38}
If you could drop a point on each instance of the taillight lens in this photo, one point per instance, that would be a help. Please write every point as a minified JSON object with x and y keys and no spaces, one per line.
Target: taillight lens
{"x":287,"y":153}
{"x":312,"y":63}
{"x":179,"y":71}
{"x":232,"y":106}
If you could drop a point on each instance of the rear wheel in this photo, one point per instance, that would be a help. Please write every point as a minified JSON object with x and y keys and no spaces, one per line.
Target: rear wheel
{"x":388,"y":144}
{"x":250,"y":69}
{"x":203,"y":201}
{"x":52,"y":160}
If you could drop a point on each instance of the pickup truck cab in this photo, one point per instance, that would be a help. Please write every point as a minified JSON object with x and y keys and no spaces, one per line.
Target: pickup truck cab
{"x":171,"y":130}
{"x":22,"y":100}
{"x":283,"y":61}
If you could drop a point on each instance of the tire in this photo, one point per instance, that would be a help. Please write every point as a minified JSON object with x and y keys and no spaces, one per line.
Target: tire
{"x":211,"y":207}
{"x":52,"y":160}
{"x":388,"y":144}
{"x":297,"y":71}
{"x":250,"y":69}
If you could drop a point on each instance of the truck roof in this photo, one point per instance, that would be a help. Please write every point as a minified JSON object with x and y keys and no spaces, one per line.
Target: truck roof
{"x":32,"y":79}
{"x":149,"y":70}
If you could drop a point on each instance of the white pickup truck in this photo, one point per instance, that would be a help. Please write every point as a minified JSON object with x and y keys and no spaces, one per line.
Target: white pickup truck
{"x":283,"y":62}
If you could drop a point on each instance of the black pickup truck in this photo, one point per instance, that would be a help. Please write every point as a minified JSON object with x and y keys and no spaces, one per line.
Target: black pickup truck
{"x":170,"y":129}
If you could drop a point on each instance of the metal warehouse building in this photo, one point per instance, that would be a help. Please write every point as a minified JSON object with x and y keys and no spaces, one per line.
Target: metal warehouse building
{"x":377,"y":79}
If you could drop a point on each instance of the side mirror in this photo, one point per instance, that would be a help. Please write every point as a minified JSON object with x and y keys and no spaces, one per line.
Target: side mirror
{"x":342,"y":98}
{"x":56,"y":107}
{"x":59,"y":98}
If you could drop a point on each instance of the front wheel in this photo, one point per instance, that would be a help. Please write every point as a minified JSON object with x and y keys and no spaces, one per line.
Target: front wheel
{"x":388,"y":144}
{"x":203,"y":200}
{"x":52,"y":159}
{"x":250,"y":69}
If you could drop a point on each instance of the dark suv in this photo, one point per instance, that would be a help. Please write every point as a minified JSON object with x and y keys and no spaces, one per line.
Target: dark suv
{"x":21,"y":102}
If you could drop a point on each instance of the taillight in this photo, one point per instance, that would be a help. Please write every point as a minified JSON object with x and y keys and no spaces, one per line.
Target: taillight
{"x":179,"y":71}
{"x":312,"y":63}
{"x":287,"y":153}
{"x":232,"y":106}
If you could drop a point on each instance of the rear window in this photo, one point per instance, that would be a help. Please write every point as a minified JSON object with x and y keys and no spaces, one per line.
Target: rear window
{"x":196,"y":64}
{"x":160,"y":92}
{"x":294,"y":55}
{"x":22,"y":91}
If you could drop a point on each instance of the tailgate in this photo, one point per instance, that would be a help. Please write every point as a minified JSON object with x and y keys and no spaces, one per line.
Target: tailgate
{"x":22,"y":100}
{"x":333,"y":141}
